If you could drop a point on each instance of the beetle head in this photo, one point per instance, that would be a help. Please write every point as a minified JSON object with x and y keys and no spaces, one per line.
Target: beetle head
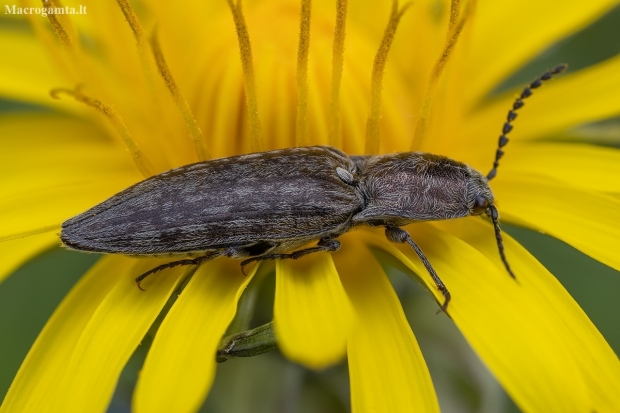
{"x":479,"y":195}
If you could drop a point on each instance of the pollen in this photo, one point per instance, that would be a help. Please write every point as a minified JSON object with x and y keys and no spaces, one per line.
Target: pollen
{"x":335,"y":136}
{"x":60,"y":29}
{"x":455,"y":27}
{"x":302,"y":72}
{"x":249,"y":80}
{"x":200,"y":143}
{"x":376,"y":83}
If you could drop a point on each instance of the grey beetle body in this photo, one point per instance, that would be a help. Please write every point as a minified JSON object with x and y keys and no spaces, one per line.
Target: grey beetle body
{"x":266,"y":205}
{"x":273,"y":202}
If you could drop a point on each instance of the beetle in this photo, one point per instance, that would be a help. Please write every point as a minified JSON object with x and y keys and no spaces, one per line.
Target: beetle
{"x":267,"y":205}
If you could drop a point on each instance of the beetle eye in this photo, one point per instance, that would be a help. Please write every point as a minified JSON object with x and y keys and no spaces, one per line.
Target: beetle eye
{"x":480,"y":205}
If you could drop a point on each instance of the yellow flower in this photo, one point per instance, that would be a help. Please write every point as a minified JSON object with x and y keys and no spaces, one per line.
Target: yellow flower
{"x":444,"y":60}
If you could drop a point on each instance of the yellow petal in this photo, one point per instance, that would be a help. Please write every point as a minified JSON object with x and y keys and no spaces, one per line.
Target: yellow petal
{"x":312,"y":314}
{"x":513,"y":326}
{"x":587,"y":167}
{"x":180,"y":365}
{"x":599,"y":364}
{"x":508,"y":34}
{"x":17,"y":251}
{"x":111,"y":336}
{"x":70,"y":165}
{"x":386,"y":368}
{"x":586,"y":220}
{"x":25,"y":72}
{"x":36,"y":386}
{"x":188,"y":24}
{"x":571,"y":99}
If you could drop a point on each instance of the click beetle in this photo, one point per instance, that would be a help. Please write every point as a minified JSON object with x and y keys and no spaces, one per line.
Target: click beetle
{"x":267,"y":205}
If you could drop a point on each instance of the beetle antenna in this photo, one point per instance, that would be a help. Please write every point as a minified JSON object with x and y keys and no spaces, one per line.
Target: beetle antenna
{"x":512,"y":115}
{"x":498,"y":236}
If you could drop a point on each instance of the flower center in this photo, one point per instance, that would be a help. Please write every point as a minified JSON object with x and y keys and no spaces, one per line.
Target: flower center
{"x":338,"y":97}
{"x":257,"y":83}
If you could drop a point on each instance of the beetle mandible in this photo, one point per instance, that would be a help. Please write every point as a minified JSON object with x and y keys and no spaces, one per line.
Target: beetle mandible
{"x":266,"y":205}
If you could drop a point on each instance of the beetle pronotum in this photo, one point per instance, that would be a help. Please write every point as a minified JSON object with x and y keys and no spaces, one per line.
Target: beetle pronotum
{"x":265,"y":205}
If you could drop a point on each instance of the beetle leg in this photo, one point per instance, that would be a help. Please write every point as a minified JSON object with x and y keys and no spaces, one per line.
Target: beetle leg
{"x":399,"y":235}
{"x":324,"y":245}
{"x":195,"y":261}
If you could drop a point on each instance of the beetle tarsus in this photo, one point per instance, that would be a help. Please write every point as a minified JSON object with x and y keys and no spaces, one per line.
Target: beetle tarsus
{"x":399,"y":235}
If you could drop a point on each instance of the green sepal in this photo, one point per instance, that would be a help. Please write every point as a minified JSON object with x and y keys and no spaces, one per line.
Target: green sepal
{"x":247,"y":343}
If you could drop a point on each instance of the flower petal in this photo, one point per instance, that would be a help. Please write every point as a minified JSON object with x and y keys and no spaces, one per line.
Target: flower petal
{"x":513,"y":329}
{"x":386,"y":368}
{"x":26,"y":73}
{"x":599,"y":364}
{"x":17,"y":251}
{"x":109,"y":339}
{"x":586,"y":220}
{"x":508,"y":34}
{"x":70,"y":165}
{"x":36,"y":386}
{"x":180,"y":365}
{"x":312,"y":314}
{"x":575,"y":98}
{"x":587,"y":167}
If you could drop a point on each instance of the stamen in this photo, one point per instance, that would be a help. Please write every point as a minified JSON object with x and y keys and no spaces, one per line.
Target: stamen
{"x":455,"y":10}
{"x":59,"y":29}
{"x":372,"y":125}
{"x":302,"y":72}
{"x":70,"y":55}
{"x":440,"y":64}
{"x":245,"y":50}
{"x":132,"y":20}
{"x":337,"y":67}
{"x":115,"y":119}
{"x":200,"y":144}
{"x":49,"y":39}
